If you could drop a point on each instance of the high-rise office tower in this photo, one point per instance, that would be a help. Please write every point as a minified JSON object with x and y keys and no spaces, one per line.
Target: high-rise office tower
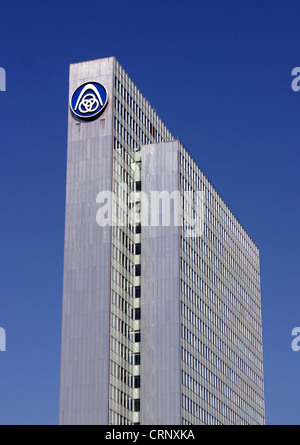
{"x":161,"y":300}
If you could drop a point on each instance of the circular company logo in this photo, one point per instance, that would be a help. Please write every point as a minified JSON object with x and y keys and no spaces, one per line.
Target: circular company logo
{"x":89,"y":100}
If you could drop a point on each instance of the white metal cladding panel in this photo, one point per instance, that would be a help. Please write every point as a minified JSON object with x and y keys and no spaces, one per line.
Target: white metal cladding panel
{"x":86,"y":290}
{"x":160,"y":337}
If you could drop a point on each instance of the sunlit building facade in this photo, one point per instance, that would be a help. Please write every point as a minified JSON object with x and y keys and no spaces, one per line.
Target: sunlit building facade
{"x":160,"y":325}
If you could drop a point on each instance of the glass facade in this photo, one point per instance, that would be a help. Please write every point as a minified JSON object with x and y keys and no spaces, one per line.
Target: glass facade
{"x":221,"y":343}
{"x":135,"y":124}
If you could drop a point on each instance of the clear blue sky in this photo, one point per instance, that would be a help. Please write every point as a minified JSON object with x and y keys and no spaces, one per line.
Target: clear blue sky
{"x":219,"y":75}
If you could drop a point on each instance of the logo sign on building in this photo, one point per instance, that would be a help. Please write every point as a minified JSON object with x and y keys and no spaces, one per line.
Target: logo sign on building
{"x":89,"y":100}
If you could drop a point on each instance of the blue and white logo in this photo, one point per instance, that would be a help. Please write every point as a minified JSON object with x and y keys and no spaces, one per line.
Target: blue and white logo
{"x":89,"y":100}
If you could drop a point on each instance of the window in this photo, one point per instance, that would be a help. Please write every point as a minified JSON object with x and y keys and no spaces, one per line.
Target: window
{"x":137,"y":207}
{"x":152,"y":130}
{"x":138,"y":249}
{"x":137,"y":358}
{"x":138,"y":270}
{"x":137,"y":314}
{"x":138,"y":186}
{"x":137,"y":336}
{"x":137,"y":292}
{"x":136,"y":405}
{"x":137,"y":382}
